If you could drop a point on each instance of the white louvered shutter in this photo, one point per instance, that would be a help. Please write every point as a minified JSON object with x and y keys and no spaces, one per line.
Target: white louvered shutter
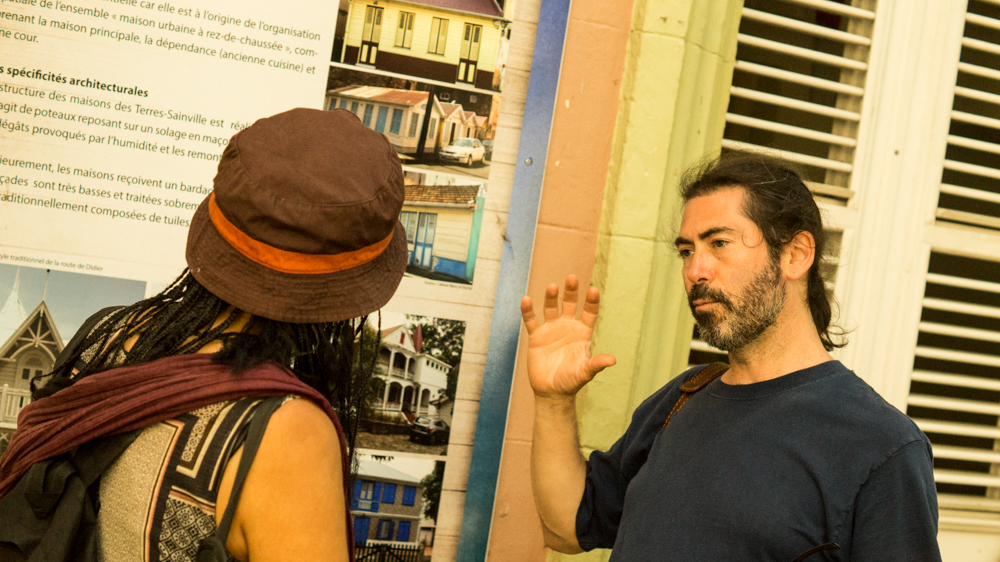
{"x":955,"y":389}
{"x":798,"y":86}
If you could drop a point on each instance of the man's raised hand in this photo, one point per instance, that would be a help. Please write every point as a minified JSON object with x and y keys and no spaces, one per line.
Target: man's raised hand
{"x":559,"y":361}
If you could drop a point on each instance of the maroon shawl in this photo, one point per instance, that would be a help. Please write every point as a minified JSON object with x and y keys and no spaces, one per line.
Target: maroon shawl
{"x":129,"y":398}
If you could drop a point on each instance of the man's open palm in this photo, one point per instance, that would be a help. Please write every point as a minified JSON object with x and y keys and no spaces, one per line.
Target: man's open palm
{"x":559,"y":360}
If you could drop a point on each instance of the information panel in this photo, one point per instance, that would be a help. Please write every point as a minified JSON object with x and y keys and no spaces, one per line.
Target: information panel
{"x":113,"y":117}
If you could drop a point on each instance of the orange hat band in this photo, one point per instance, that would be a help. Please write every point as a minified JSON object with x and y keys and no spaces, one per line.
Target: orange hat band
{"x":290,"y":262}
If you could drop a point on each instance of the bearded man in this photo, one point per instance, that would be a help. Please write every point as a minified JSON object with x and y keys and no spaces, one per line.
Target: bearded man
{"x":783,"y":455}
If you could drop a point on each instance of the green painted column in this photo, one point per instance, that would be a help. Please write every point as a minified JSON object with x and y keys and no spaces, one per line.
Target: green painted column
{"x":477,"y":223}
{"x":674,"y":96}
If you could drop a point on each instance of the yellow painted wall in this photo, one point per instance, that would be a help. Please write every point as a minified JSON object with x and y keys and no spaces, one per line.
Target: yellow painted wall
{"x":454,"y":228}
{"x":422,"y":32}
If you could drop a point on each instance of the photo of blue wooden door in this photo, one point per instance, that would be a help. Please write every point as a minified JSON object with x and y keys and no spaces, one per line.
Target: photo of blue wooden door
{"x":361,"y":530}
{"x":424,"y":244}
{"x":409,"y":220}
{"x":383,"y":113}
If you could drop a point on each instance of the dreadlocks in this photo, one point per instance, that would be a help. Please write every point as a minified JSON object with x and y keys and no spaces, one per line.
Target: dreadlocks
{"x":185,"y":317}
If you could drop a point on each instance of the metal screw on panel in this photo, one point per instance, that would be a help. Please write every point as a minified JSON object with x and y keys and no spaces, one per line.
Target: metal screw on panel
{"x":527,"y":161}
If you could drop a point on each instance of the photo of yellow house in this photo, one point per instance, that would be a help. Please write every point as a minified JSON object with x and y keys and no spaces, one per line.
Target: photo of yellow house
{"x":451,"y":41}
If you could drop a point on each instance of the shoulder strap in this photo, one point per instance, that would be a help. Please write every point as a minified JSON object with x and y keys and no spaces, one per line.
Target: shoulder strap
{"x":255,"y":434}
{"x":696,"y":383}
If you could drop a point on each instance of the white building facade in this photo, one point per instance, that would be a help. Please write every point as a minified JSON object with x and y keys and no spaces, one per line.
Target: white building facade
{"x":411,"y":381}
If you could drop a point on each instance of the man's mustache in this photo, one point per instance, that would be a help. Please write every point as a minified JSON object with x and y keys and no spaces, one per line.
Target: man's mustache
{"x":702,"y":291}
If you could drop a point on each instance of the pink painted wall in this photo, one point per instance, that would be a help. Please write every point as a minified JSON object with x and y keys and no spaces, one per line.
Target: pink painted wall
{"x":566,"y":236}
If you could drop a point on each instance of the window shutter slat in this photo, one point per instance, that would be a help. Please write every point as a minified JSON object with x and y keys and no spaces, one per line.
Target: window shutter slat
{"x":975,"y":119}
{"x":791,"y":103}
{"x":965,"y":478}
{"x":800,"y":52}
{"x":974,"y":144}
{"x":962,"y":307}
{"x":977,"y":95}
{"x":957,"y":331}
{"x":966,"y":454}
{"x":954,"y":428}
{"x":957,"y":356}
{"x":968,"y":218}
{"x":954,"y":404}
{"x":796,"y":78}
{"x":956,"y":380}
{"x":835,"y":8}
{"x":808,"y":28}
{"x":981,"y":45}
{"x":789,"y":130}
{"x":792,"y":156}
{"x":982,"y":20}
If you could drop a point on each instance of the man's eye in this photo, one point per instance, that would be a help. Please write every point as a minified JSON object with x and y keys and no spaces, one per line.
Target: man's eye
{"x":719,"y":243}
{"x":685,"y":253}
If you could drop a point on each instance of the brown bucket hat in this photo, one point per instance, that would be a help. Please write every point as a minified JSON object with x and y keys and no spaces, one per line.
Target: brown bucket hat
{"x":303,"y":225}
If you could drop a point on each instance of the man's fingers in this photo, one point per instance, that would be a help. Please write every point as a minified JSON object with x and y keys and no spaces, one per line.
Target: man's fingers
{"x":551,"y":310}
{"x":591,"y":305}
{"x":528,"y":315}
{"x":570,"y":296}
{"x":598,"y":363}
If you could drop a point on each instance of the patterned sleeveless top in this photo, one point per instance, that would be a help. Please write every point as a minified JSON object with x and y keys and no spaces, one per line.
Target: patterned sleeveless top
{"x":158,"y":499}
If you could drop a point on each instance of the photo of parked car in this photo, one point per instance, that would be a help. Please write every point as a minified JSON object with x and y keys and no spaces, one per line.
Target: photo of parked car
{"x":429,"y":430}
{"x":464,"y":150}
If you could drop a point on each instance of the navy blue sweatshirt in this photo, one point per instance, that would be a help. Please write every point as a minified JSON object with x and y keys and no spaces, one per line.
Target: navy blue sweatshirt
{"x":765,"y":471}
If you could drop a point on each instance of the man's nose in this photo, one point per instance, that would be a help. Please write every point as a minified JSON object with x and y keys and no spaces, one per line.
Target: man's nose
{"x":700,"y":269}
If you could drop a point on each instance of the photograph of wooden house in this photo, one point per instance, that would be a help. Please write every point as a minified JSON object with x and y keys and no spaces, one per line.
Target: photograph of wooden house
{"x":394,"y":504}
{"x":414,"y":388}
{"x":443,"y":223}
{"x":437,"y":128}
{"x":459,"y":42}
{"x":41,"y":311}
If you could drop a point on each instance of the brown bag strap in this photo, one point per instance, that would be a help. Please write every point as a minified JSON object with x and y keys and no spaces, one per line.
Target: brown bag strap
{"x":698,"y":382}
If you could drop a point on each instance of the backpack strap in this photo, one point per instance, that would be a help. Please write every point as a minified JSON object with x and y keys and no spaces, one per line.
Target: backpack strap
{"x":696,"y":383}
{"x":213,"y":548}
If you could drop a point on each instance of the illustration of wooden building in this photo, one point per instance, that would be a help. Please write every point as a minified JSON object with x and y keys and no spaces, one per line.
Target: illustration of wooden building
{"x":452,"y":41}
{"x":442,"y":227}
{"x":30,"y":349}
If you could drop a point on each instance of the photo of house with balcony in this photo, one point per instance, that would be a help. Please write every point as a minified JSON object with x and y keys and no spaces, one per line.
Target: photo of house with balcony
{"x":409,"y":381}
{"x":386,"y":504}
{"x":450,"y":41}
{"x":30,"y":349}
{"x":413,"y":385}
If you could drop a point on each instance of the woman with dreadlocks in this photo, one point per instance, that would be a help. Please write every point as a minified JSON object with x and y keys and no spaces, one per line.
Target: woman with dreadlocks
{"x":298,"y":243}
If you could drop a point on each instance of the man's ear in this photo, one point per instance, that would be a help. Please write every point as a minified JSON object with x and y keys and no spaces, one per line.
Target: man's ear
{"x":798,"y":256}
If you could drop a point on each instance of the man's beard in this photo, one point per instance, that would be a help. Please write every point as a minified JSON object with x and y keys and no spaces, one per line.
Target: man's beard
{"x":744,"y":319}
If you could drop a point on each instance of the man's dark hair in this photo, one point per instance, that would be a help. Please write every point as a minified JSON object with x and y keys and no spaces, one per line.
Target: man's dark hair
{"x":780,"y":204}
{"x":330,"y":357}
